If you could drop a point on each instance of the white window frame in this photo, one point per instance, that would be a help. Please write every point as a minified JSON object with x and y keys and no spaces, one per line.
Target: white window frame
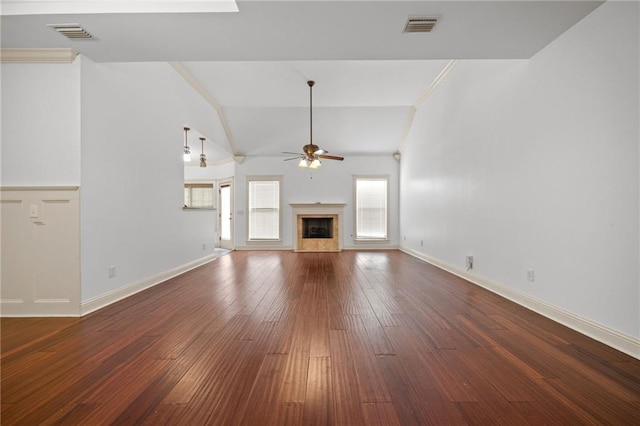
{"x":262,"y":178}
{"x":385,"y":178}
{"x":192,"y":184}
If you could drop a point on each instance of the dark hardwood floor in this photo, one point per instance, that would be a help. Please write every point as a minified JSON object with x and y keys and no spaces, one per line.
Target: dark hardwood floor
{"x":281,"y":338}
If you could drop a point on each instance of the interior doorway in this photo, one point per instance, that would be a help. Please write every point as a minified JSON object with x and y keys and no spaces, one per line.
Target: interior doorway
{"x":225,"y":213}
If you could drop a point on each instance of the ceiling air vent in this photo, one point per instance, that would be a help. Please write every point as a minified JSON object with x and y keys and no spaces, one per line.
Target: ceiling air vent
{"x":420,"y":24}
{"x":72,"y":31}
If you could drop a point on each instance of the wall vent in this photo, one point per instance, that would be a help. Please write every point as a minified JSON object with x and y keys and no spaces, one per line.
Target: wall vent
{"x":72,"y":31}
{"x":420,"y":24}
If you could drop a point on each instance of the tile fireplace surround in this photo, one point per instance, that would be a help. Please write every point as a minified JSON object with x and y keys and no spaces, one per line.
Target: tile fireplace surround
{"x":317,"y":210}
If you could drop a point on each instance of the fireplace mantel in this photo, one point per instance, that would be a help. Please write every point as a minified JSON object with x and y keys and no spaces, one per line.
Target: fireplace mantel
{"x":317,"y":210}
{"x":318,"y":206}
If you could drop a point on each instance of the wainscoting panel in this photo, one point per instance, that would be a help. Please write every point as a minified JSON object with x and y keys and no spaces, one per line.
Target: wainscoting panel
{"x":40,"y":251}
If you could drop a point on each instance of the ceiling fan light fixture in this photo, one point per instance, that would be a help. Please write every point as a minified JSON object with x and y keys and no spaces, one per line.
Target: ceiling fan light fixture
{"x":312,"y":153}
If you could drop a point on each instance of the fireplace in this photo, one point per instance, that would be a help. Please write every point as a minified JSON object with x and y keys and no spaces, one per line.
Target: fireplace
{"x":316,"y":227}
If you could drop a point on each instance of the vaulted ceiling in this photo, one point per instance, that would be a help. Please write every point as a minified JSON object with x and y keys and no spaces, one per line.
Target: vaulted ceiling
{"x":253,"y":64}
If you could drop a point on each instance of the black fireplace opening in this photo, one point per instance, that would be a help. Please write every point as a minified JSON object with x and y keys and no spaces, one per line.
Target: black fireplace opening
{"x":317,"y":227}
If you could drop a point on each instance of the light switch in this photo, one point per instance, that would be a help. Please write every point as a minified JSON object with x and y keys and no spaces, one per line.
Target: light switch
{"x":33,"y":210}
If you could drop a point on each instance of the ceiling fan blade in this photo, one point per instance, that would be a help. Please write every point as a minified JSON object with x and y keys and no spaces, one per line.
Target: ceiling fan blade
{"x":292,"y":158}
{"x":331,"y":157}
{"x":292,"y":153}
{"x":320,"y":151}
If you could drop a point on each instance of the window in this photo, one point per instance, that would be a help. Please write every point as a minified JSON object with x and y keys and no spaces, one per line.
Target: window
{"x":371,"y":207}
{"x":198,"y":195}
{"x":264,"y":208}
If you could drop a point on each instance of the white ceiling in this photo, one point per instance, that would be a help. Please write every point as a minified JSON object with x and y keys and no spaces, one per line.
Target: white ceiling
{"x":255,"y":62}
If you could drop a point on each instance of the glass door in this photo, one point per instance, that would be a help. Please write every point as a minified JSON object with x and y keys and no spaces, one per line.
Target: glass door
{"x":225,"y":214}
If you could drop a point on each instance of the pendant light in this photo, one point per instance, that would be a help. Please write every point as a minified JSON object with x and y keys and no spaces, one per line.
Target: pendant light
{"x":203,"y":158}
{"x":187,"y":150}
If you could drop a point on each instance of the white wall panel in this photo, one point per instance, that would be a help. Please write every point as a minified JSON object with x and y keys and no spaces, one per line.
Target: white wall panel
{"x":40,"y":252}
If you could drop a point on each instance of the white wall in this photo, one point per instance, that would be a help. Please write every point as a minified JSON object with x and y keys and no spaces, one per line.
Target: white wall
{"x":133,"y":174}
{"x":535,"y":165}
{"x":41,"y":124}
{"x":332,"y":183}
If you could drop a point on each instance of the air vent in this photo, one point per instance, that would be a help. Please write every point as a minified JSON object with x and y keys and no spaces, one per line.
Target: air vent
{"x":420,"y":24}
{"x":72,"y":31}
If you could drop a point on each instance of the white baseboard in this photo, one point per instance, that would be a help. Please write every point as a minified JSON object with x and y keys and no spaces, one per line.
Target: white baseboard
{"x":371,"y":246}
{"x":616,"y":339}
{"x":263,"y":248}
{"x":106,"y":299}
{"x":289,"y":248}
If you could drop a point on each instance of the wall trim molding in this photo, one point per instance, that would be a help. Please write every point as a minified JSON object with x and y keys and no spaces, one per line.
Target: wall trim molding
{"x":39,"y":188}
{"x":290,"y":248}
{"x":263,"y":248}
{"x":618,"y":340}
{"x":41,"y":269}
{"x":423,"y":97}
{"x":208,"y":97}
{"x":106,"y":299}
{"x":34,"y":56}
{"x":372,"y":246}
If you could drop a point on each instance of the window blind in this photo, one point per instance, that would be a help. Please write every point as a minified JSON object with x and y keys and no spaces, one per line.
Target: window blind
{"x":264,"y":210}
{"x":371,"y":208}
{"x":198,"y":195}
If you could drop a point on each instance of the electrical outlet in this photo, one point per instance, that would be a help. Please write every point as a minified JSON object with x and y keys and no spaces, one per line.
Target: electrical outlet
{"x":204,"y":246}
{"x":421,"y":243}
{"x":469,"y":262}
{"x":530,"y":276}
{"x":112,"y":271}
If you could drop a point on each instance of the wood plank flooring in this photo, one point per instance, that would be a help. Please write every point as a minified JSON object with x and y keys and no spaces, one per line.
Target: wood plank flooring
{"x":281,"y":338}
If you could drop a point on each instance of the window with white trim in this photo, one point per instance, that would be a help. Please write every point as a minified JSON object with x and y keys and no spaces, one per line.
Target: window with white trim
{"x":264,"y":207}
{"x":371,"y":205}
{"x":198,"y":196}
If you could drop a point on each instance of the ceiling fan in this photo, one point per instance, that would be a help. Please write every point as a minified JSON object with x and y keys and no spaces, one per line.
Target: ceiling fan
{"x":311,"y":153}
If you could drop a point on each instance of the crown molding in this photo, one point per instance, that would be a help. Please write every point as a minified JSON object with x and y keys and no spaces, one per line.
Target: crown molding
{"x":407,"y":128}
{"x":32,"y":56}
{"x":208,"y":97}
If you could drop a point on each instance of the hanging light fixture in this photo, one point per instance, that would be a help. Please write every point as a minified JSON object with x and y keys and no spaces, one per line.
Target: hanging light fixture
{"x":311,"y":151}
{"x":203,"y":158}
{"x":187,"y":150}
